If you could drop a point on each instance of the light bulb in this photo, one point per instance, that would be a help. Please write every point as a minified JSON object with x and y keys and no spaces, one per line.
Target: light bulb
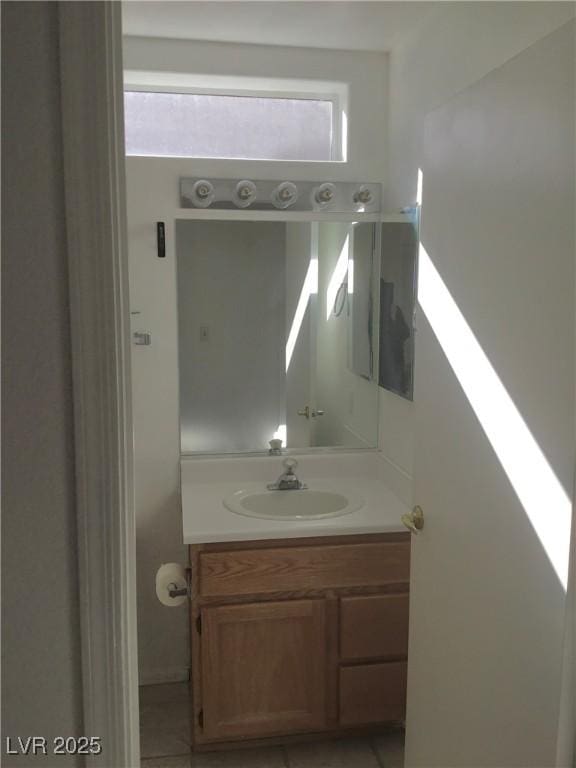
{"x":245,"y":193}
{"x":363,"y":195}
{"x":203,"y":193}
{"x":285,"y":195}
{"x":324,"y":194}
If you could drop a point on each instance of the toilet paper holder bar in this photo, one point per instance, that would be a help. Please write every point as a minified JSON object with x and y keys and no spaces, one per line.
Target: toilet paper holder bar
{"x":175,"y":591}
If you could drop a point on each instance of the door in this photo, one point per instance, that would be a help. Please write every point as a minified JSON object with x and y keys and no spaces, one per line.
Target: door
{"x":264,"y":668}
{"x":494,"y":417}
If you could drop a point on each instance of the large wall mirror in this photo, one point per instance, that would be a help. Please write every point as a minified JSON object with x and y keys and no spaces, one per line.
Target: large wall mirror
{"x":278,"y":334}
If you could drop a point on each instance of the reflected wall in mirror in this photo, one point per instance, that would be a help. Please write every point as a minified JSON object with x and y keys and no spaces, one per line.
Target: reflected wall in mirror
{"x":277,"y":335}
{"x":398,"y":274}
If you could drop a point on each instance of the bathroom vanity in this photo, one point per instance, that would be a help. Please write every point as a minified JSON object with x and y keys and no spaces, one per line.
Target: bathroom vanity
{"x":300,"y":626}
{"x":294,"y":636}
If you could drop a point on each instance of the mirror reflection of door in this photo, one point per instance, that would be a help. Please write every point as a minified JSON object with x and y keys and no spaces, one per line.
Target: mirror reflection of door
{"x":277,"y":335}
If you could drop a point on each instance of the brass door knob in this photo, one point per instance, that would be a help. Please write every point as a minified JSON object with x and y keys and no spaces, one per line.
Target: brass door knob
{"x":305,"y":412}
{"x":414,"y":521}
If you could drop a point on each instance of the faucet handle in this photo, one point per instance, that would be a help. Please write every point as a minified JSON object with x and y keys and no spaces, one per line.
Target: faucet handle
{"x":290,"y":465}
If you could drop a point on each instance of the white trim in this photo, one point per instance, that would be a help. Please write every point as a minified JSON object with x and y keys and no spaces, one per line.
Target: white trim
{"x":231,"y":214}
{"x":223,"y":214}
{"x":92,"y":105}
{"x":181,"y":82}
{"x":337,"y":93}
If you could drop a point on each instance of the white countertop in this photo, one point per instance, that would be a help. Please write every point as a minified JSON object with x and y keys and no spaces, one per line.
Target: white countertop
{"x":207,"y":482}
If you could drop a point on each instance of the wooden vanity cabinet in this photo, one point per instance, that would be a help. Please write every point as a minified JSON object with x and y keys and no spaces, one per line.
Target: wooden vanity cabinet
{"x":298,"y":636}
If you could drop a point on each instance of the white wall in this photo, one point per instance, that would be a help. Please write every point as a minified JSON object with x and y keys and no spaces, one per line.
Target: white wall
{"x":457,"y":46}
{"x":41,"y":681}
{"x":163,"y":648}
{"x":364,"y":73}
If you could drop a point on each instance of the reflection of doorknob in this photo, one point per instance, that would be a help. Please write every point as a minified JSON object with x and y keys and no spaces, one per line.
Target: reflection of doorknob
{"x":305,"y":412}
{"x":415,"y":520}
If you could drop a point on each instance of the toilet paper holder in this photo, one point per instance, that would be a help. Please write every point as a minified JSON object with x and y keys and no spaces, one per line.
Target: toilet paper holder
{"x":173,"y":584}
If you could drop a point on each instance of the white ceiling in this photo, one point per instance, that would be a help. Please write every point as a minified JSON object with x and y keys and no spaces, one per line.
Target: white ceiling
{"x":357,"y":25}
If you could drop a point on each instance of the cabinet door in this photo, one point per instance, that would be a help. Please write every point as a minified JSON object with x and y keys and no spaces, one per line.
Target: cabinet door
{"x":264,"y":668}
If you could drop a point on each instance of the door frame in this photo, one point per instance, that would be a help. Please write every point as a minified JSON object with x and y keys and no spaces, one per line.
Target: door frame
{"x":91,"y":73}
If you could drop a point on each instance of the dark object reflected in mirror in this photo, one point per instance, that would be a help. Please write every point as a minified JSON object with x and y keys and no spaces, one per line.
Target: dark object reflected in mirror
{"x":361,"y":296}
{"x":398,"y":271}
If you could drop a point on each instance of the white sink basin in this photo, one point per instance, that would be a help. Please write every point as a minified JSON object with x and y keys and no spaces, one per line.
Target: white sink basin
{"x":309,"y":504}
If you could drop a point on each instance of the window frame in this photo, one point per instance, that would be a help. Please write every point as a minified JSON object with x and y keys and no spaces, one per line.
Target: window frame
{"x":304,"y":90}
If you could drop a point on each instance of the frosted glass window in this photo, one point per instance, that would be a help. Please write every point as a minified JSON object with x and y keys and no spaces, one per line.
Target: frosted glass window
{"x":211,"y":125}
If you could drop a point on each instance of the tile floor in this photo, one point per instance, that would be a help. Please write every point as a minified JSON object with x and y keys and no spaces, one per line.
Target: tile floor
{"x":165,"y":742}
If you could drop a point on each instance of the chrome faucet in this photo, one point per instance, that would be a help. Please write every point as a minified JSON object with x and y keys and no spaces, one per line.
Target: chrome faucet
{"x":287,"y":480}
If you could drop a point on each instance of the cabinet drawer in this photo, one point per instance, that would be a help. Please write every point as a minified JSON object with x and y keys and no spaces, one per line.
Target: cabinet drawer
{"x":293,"y":569}
{"x":373,"y":693}
{"x":372,"y":627}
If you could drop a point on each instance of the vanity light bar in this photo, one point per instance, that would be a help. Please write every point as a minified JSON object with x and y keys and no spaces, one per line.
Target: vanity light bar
{"x":266,"y":195}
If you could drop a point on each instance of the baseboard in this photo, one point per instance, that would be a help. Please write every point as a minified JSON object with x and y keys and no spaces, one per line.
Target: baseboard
{"x":396,"y":479}
{"x":166,"y":675}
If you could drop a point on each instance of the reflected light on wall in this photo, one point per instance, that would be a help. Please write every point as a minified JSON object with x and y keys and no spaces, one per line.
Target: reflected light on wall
{"x":545,"y":502}
{"x":309,"y":287}
{"x":337,"y":278}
